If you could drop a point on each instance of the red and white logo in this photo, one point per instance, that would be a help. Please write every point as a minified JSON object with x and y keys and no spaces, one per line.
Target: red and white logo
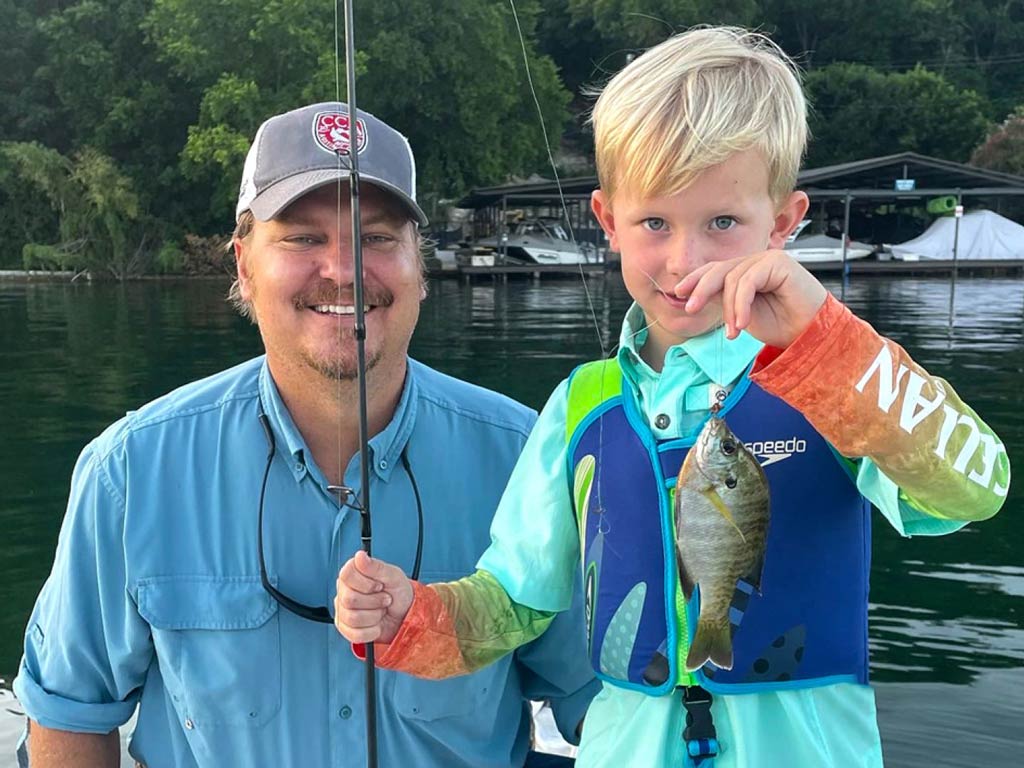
{"x":332,"y":131}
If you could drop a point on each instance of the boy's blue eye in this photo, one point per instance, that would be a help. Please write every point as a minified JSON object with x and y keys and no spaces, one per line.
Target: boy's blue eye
{"x":722,"y":223}
{"x":655,"y":224}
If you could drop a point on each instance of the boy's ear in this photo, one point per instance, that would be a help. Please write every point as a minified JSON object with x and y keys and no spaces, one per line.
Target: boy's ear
{"x":787,"y":217}
{"x":602,"y":208}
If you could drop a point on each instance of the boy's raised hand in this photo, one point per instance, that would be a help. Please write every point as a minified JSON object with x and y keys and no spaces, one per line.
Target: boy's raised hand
{"x":768,"y":294}
{"x":372,"y":601}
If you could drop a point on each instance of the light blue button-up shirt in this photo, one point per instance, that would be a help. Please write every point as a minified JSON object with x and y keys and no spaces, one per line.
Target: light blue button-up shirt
{"x":155,"y":598}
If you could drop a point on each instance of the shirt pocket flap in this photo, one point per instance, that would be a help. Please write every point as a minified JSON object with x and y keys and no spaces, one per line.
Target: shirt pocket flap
{"x":467,"y":696}
{"x":205,"y":602}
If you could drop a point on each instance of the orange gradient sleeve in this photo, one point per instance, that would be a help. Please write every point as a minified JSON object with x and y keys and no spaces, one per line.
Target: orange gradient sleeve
{"x":459,"y":627}
{"x":869,"y":399}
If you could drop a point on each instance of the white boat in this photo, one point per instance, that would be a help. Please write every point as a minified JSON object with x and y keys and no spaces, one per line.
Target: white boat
{"x":807,"y":248}
{"x":536,"y":241}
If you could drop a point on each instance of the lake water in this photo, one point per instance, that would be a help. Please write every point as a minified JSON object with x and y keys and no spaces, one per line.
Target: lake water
{"x":947,"y":614}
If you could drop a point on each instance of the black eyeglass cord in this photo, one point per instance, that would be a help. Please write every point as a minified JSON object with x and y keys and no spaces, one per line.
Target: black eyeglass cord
{"x":321,"y":613}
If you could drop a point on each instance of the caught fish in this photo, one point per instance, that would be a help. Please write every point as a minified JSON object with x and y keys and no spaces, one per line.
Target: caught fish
{"x":721,"y":513}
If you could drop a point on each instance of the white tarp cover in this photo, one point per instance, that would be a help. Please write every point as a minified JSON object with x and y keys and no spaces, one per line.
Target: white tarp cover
{"x":983,"y":235}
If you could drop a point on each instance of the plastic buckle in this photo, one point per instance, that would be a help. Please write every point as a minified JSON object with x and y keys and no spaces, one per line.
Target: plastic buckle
{"x":700,"y":735}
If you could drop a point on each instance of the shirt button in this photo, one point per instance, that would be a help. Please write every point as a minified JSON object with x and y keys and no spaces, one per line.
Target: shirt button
{"x":662,"y":421}
{"x":345,"y":712}
{"x":298,"y":466}
{"x":189,"y":725}
{"x":383,"y":464}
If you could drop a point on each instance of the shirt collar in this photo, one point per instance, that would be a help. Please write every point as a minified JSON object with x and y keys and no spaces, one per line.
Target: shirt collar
{"x":385,"y":447}
{"x":722,"y":361}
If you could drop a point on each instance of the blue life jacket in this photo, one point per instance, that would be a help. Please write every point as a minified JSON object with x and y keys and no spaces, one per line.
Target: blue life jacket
{"x":809,"y":625}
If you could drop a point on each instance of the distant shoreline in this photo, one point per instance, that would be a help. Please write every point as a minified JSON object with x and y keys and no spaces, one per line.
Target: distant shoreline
{"x":46,"y":276}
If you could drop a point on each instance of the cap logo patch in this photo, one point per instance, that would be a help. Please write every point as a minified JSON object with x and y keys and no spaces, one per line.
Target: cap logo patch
{"x":333,"y":133}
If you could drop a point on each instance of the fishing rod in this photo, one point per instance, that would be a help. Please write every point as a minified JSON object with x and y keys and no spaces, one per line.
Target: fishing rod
{"x":352,"y":159}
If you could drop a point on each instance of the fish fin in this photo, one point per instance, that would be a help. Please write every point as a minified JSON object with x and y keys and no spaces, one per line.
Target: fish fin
{"x":716,"y":501}
{"x":712,"y":642}
{"x":685,"y":579}
{"x":754,"y":577}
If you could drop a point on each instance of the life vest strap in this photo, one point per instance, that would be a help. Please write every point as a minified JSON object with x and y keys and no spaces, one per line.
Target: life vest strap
{"x":699,"y":734}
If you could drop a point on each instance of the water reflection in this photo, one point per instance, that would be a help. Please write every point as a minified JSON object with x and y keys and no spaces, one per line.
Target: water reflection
{"x":946,"y":612}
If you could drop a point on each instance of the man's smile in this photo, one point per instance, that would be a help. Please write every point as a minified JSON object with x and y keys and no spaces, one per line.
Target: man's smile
{"x":338,"y":309}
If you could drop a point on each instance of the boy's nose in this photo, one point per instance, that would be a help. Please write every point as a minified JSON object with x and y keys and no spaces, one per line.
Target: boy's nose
{"x":684,"y":257}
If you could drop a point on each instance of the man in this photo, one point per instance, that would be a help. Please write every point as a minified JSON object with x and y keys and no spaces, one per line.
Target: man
{"x":205,"y":531}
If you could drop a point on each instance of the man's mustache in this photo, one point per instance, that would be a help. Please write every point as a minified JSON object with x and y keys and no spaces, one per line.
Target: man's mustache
{"x":328,"y":292}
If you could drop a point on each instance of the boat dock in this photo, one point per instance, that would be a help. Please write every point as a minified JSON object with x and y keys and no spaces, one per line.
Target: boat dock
{"x":864,"y":267}
{"x":534,"y":271}
{"x":923,"y":267}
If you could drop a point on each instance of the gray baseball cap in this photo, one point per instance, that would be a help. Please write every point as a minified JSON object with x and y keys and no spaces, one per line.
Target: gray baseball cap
{"x":298,"y":151}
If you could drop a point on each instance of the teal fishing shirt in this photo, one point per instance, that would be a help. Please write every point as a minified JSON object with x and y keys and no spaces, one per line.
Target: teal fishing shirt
{"x":155,"y":601}
{"x":534,"y":554}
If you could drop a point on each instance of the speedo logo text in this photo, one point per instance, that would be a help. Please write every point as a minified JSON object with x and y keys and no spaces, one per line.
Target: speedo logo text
{"x":772,"y":451}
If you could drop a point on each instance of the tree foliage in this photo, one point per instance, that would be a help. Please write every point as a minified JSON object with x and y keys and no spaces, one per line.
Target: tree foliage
{"x":450,"y":75}
{"x":139,"y":112}
{"x":100,"y":224}
{"x":1003,"y":150}
{"x":859,"y":112}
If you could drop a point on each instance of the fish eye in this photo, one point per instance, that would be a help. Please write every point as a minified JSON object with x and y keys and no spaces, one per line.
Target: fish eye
{"x":730,"y":482}
{"x":728,"y":448}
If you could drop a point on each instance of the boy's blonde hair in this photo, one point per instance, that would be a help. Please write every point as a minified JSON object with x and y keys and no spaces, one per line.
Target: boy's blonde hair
{"x":692,"y":101}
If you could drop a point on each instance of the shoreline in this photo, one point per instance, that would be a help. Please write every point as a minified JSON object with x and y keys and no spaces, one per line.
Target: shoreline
{"x":45,"y":276}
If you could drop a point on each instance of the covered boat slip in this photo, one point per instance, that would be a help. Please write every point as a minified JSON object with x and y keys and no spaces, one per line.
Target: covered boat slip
{"x":896,"y":183}
{"x":877,"y":200}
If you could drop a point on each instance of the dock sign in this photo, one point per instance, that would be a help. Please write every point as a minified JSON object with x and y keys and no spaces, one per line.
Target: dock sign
{"x":905,"y":185}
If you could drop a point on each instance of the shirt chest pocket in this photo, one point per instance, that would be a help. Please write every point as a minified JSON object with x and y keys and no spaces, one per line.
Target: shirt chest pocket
{"x":218,"y":644}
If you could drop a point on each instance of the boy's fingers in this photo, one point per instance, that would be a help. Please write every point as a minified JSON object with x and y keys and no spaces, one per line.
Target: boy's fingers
{"x":708,"y":285}
{"x":713,"y":281}
{"x":728,"y":304}
{"x":746,"y":291}
{"x":351,"y":578}
{"x":357,"y":601}
{"x":685,"y":286}
{"x":379,"y":571}
{"x":743,"y":283}
{"x":357,"y":634}
{"x":359,"y":620}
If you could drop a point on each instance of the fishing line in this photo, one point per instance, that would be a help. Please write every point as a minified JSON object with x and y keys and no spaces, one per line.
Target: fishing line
{"x":554,"y":169}
{"x":351,"y":152}
{"x":583,"y":277}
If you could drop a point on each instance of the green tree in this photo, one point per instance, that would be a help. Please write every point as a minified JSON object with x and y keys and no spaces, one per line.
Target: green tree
{"x":992,"y":32}
{"x":871,"y":32}
{"x":102,"y":85}
{"x":450,"y":76}
{"x":859,"y":112}
{"x":100,"y":224}
{"x":639,"y":24}
{"x":1003,"y":149}
{"x":25,"y":214}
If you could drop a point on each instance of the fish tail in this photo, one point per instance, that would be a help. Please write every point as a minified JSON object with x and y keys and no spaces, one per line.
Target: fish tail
{"x":712,"y":642}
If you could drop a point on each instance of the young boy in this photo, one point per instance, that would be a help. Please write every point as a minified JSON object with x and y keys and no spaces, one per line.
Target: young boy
{"x":698,"y":145}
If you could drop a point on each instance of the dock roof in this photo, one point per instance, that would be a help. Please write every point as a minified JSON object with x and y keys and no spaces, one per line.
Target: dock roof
{"x":873,"y":177}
